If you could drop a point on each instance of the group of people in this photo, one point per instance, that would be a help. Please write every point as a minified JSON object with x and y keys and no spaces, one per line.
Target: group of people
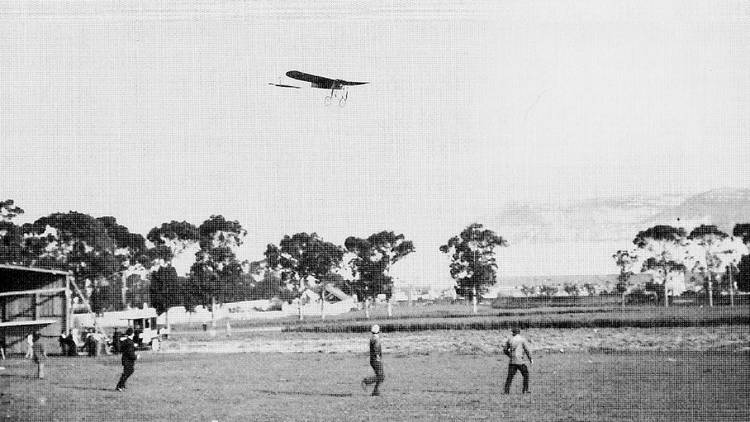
{"x":93,"y":342}
{"x":37,"y":352}
{"x":516,"y":348}
{"x":68,"y":344}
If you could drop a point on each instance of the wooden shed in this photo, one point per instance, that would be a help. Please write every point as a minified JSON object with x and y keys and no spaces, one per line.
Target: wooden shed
{"x":33,"y":300}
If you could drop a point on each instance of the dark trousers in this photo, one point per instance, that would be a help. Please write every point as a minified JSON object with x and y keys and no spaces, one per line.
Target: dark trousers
{"x":378,"y":378}
{"x":512,"y":368}
{"x":72,"y":348}
{"x":127,"y":371}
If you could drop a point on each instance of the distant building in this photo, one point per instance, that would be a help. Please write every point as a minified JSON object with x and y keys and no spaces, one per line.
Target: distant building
{"x":33,"y":300}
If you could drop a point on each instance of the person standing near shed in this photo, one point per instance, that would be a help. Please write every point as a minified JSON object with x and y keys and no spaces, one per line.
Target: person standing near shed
{"x":29,"y":346}
{"x":90,"y":343}
{"x":63,"y":341}
{"x":128,"y":359}
{"x":39,"y":355}
{"x":72,"y":346}
{"x":516,"y":348}
{"x":376,"y":362}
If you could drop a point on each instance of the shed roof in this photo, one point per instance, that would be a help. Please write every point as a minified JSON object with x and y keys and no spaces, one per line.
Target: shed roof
{"x":27,"y":323}
{"x":139,"y":313}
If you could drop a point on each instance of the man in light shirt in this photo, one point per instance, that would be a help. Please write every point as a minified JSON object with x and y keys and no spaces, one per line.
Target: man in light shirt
{"x":29,"y":346}
{"x":516,"y":348}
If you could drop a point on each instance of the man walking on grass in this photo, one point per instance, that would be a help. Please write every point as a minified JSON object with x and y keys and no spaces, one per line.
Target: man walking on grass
{"x":376,"y":361}
{"x":516,"y":348}
{"x":128,"y":359}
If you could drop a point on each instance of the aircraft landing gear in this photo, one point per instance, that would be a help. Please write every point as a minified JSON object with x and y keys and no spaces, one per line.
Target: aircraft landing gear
{"x":336,"y":96}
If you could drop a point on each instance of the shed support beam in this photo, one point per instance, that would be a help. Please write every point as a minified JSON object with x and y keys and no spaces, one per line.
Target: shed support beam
{"x":33,"y":292}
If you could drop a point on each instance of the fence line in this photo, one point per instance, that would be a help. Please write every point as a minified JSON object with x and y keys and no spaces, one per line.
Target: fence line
{"x":610,"y":300}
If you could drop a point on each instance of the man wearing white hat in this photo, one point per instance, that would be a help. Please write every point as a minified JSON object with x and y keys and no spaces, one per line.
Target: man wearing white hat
{"x":376,"y":361}
{"x":516,"y":348}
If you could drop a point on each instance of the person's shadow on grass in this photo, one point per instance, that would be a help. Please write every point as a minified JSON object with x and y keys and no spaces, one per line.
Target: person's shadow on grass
{"x":80,"y":387}
{"x":2,"y":375}
{"x":303,"y":393}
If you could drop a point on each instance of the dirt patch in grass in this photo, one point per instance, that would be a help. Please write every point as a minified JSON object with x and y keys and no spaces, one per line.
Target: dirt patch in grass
{"x":649,"y":317}
{"x":474,"y":342}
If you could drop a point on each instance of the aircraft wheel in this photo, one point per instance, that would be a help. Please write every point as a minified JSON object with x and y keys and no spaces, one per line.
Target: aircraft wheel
{"x":342,"y":102}
{"x":327,"y":100}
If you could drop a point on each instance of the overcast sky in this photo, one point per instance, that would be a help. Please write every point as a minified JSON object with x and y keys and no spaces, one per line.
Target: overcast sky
{"x":154,"y":111}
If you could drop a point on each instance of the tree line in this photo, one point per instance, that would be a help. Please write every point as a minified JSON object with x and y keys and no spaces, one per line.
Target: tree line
{"x":720,"y":258}
{"x":115,"y":266}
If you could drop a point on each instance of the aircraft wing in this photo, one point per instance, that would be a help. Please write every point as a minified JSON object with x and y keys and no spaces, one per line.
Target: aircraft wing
{"x":315,"y":80}
{"x":320,"y":81}
{"x":352,"y":83}
{"x":283,"y":85}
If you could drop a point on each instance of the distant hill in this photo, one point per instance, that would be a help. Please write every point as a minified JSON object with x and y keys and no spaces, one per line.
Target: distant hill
{"x":614,"y":219}
{"x":721,"y":207}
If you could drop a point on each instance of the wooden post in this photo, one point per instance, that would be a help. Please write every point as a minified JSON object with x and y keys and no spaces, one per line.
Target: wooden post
{"x":67,"y":310}
{"x":474,"y":299}
{"x":322,"y":303}
{"x":710,"y":291}
{"x":731,"y":286}
{"x":212,"y":331}
{"x":213,"y":308}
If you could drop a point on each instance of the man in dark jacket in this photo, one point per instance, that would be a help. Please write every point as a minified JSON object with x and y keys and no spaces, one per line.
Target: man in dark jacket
{"x":128,"y":359}
{"x":72,"y":346}
{"x":63,"y":340}
{"x":90,"y":343}
{"x":376,"y":362}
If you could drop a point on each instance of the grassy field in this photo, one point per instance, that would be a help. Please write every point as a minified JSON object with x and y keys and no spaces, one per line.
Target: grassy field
{"x":476,"y":342}
{"x":694,"y":369}
{"x":643,"y":317}
{"x":417,"y":311}
{"x":320,"y":387}
{"x":453,"y":316}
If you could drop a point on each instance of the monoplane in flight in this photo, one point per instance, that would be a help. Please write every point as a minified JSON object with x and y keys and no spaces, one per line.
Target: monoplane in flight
{"x":339,"y":87}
